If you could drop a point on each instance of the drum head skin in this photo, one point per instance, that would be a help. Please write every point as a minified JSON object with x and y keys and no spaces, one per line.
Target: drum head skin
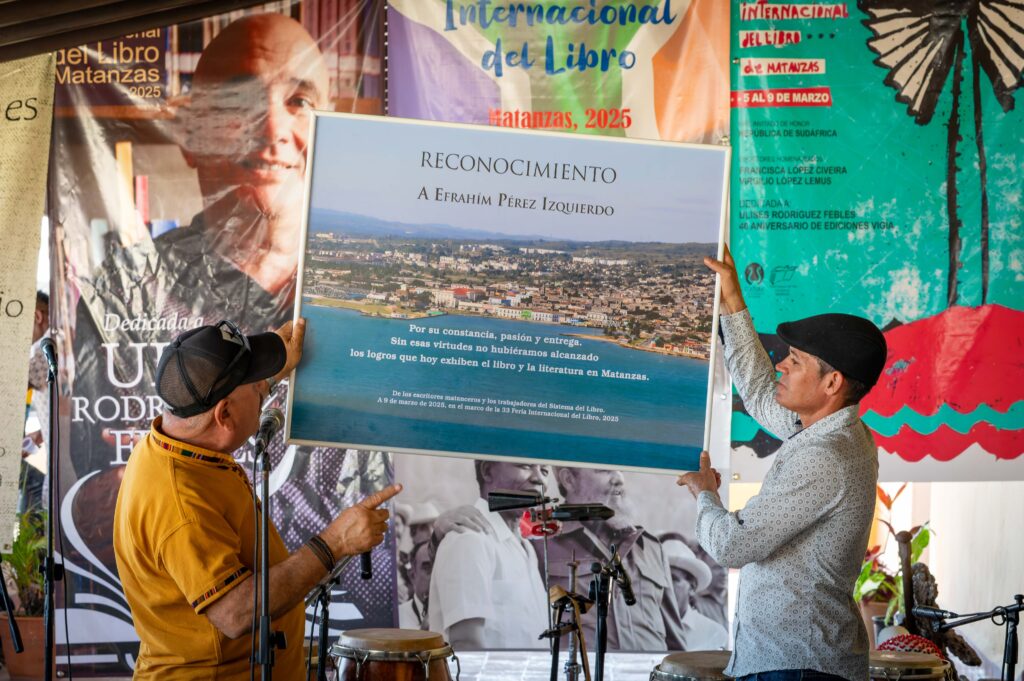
{"x":393,"y":640}
{"x":698,"y":664}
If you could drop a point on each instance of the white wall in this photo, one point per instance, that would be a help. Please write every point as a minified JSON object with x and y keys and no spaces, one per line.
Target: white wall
{"x":977,"y":553}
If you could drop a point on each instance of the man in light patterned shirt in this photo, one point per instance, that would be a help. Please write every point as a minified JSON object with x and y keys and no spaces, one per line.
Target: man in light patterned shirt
{"x":801,"y":540}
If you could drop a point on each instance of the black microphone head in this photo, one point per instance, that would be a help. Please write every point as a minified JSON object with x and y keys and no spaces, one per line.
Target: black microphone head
{"x":933,"y":613}
{"x":49,"y":352}
{"x":510,"y":499}
{"x":581,"y":512}
{"x":273,"y":418}
{"x":366,"y":565}
{"x":271,"y":421}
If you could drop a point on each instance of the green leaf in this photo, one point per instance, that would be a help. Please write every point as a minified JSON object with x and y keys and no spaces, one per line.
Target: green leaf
{"x":920,"y":542}
{"x":896,"y":601}
{"x":24,"y":559}
{"x":872,"y":583}
{"x":894,"y":607}
{"x":868,"y":581}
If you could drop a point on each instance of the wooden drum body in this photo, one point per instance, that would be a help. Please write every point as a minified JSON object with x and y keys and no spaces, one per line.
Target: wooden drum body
{"x":393,"y":655}
{"x":889,"y":665}
{"x":699,"y":665}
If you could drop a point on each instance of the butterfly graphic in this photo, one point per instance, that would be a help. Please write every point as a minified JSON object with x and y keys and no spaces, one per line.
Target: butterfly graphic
{"x":920,"y":43}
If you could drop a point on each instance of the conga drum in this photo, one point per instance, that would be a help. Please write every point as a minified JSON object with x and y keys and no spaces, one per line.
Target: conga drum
{"x":890,"y":665}
{"x":393,"y":655}
{"x":698,"y":665}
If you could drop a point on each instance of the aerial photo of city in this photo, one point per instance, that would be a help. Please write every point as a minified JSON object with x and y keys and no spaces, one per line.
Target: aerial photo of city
{"x":655,"y":297}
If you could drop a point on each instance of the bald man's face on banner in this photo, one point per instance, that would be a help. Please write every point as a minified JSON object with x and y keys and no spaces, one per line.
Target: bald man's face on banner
{"x":254,"y":88}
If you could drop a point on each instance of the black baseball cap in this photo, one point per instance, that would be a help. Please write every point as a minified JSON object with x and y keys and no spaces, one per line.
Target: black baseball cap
{"x":203,"y":365}
{"x":852,"y":345}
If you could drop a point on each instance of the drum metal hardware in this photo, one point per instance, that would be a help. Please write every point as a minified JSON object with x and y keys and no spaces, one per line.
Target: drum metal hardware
{"x":383,"y":654}
{"x":697,"y":665}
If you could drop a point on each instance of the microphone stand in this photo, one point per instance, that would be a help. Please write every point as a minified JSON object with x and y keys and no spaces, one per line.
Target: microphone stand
{"x":575,"y":605}
{"x":321,"y":594}
{"x":572,"y":668}
{"x":12,"y":625}
{"x":555,"y":642}
{"x":1011,"y":618}
{"x":269,"y":641}
{"x":553,"y":647}
{"x":52,"y":572}
{"x":324,"y":597}
{"x":601,"y":593}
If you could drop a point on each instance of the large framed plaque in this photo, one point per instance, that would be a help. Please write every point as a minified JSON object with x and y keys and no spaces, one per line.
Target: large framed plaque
{"x":497,"y":293}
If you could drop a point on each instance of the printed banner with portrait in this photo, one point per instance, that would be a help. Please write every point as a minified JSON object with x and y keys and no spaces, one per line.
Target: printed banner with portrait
{"x":878,"y":154}
{"x":176,"y":194}
{"x":462,"y":562}
{"x":523,"y":295}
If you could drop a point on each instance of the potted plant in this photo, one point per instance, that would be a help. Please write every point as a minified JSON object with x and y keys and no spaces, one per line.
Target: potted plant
{"x":21,"y":573}
{"x":875,"y":588}
{"x":879,"y":589}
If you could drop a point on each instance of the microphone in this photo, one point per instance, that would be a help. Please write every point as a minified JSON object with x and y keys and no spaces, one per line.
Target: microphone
{"x":366,"y":565}
{"x":622,"y":579}
{"x":928,"y":613}
{"x":271,"y":422}
{"x":513,"y":500}
{"x":580,"y":512}
{"x":50,"y":352}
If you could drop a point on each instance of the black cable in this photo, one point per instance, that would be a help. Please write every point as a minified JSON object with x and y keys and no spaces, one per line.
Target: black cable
{"x":255,"y":543}
{"x":309,"y":650}
{"x":255,"y":559}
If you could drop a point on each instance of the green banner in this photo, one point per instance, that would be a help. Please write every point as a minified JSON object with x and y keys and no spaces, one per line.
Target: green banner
{"x":877,"y":172}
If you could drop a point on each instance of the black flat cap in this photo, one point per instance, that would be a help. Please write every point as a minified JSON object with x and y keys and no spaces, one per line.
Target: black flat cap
{"x":852,"y":345}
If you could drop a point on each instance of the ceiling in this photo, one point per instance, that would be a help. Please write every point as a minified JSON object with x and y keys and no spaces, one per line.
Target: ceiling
{"x":29,"y":27}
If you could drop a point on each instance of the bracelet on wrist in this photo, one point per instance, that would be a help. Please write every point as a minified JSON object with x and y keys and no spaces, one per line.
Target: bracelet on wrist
{"x":322,"y":551}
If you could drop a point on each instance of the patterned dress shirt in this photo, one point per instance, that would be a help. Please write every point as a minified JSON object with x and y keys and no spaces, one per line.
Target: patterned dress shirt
{"x":800,"y":542}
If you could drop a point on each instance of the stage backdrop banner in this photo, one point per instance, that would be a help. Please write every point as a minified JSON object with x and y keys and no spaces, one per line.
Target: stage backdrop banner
{"x":650,"y":70}
{"x":680,"y":590}
{"x":877,"y":171}
{"x":511,"y":294}
{"x":177,"y":198}
{"x":26,"y":99}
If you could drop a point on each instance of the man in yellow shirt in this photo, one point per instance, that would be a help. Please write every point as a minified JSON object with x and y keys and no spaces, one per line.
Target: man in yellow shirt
{"x":185,"y":526}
